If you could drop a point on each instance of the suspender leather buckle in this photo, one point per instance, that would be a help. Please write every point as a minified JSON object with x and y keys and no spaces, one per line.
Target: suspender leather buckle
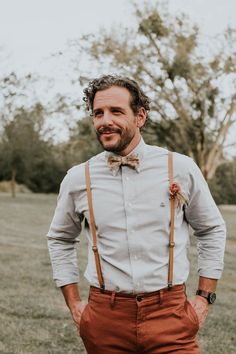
{"x":95,"y":249}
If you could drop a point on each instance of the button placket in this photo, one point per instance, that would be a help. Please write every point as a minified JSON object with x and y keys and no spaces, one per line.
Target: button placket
{"x":128,"y":190}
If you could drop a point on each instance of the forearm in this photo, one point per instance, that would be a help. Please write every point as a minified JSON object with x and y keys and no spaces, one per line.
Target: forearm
{"x":73,"y":300}
{"x":200,"y":303}
{"x":71,"y":295}
{"x":207,"y":284}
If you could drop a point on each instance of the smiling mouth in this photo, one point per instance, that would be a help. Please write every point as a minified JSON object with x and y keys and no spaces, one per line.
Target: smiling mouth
{"x":108,"y":132}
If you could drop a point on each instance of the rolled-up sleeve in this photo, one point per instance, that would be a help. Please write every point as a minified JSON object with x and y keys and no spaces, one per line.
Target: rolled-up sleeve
{"x":208,"y":225}
{"x":62,"y":237}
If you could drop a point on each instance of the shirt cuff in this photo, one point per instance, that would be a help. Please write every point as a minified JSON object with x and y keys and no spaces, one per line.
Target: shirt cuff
{"x":209,"y":269}
{"x":60,"y":283}
{"x":63,"y":277}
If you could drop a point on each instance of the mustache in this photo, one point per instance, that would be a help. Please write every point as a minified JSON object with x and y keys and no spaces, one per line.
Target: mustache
{"x":108,"y":130}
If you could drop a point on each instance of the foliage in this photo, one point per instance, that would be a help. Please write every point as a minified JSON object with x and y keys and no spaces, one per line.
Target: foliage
{"x":223,"y":185}
{"x":193,"y":94}
{"x":24,"y":154}
{"x":27,"y":153}
{"x":21,"y":138}
{"x":16,"y":92}
{"x":83,"y":142}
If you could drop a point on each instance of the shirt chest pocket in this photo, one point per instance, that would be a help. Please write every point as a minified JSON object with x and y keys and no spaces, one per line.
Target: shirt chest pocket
{"x":108,"y":207}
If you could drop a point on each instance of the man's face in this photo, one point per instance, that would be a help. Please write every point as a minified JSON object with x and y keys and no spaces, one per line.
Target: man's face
{"x":115,"y":123}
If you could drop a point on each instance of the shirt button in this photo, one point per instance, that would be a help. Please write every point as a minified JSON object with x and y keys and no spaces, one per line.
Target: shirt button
{"x":135,"y":257}
{"x":130,"y":204}
{"x":127,"y":178}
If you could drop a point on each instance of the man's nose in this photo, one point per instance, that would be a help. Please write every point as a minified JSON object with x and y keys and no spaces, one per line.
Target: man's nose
{"x":107,"y":119}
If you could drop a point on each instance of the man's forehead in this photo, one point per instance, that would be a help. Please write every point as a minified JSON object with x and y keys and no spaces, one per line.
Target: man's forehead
{"x":113,"y":96}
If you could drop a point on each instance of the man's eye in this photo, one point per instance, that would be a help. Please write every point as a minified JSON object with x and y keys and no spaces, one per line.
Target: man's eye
{"x":97,"y":114}
{"x":116,"y":111}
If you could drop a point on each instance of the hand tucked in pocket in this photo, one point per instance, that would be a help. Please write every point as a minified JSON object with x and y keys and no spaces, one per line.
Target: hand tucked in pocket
{"x":76,"y":312}
{"x":200,"y":306}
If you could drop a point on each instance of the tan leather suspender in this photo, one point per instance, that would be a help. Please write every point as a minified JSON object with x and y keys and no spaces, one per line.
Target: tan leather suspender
{"x":93,"y":227}
{"x":94,"y":233}
{"x":172,"y":223}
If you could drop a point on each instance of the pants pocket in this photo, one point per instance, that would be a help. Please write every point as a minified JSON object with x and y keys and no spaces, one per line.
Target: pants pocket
{"x":191,"y":315}
{"x":81,"y":327}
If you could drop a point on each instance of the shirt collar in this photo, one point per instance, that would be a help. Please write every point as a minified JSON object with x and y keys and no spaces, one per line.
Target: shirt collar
{"x":138,"y":150}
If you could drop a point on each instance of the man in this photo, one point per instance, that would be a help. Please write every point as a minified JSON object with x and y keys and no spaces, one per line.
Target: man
{"x":137,"y":201}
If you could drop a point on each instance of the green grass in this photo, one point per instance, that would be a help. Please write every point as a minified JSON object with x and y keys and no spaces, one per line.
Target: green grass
{"x":33,"y":316}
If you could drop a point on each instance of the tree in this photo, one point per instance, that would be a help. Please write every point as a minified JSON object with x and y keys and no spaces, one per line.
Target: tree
{"x":193,"y":93}
{"x":16,"y":92}
{"x":223,"y":185}
{"x":27,"y":153}
{"x":83,"y":142}
{"x":21,"y":143}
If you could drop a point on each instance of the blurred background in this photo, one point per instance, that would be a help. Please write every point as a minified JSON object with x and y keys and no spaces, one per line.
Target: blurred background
{"x":183,"y":54}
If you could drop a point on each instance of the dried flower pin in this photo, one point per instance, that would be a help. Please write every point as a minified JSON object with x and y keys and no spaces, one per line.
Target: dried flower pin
{"x":177,"y":195}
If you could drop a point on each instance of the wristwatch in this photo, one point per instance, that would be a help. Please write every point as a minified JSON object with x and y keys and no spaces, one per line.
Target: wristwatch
{"x":211,"y":297}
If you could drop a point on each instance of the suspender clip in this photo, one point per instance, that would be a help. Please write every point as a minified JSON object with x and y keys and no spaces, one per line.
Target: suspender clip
{"x":170,"y":285}
{"x":102,"y":288}
{"x":172,"y":244}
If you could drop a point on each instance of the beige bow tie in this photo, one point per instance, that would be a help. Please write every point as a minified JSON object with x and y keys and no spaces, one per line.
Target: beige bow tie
{"x":115,"y":161}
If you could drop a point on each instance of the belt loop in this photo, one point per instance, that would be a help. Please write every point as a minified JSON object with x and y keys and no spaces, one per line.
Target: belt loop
{"x":102,"y":288}
{"x":113,"y":298}
{"x":161,"y":296}
{"x":185,"y":289}
{"x":90,"y":291}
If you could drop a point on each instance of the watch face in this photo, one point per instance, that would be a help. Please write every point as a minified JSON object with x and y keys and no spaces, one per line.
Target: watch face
{"x":212,"y":298}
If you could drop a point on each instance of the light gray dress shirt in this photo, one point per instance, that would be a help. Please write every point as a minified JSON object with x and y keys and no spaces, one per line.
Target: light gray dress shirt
{"x":132,"y":215}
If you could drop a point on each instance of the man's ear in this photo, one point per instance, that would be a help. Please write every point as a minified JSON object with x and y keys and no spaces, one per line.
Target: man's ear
{"x":141,"y":117}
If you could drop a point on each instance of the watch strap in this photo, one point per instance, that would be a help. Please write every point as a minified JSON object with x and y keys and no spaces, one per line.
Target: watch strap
{"x":209,"y":296}
{"x":202,"y":293}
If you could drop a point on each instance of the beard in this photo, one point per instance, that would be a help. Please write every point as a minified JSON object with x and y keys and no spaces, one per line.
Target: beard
{"x":125,"y":138}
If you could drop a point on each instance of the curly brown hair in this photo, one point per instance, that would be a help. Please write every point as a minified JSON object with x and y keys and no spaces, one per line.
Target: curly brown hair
{"x":138,"y":98}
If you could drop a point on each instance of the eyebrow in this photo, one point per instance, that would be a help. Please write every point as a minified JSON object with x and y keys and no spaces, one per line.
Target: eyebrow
{"x":111,"y":107}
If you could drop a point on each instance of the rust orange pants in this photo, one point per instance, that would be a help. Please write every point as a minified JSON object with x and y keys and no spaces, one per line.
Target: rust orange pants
{"x":159,"y":322}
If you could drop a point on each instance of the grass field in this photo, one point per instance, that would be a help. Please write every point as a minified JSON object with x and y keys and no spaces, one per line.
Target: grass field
{"x":33,"y":316}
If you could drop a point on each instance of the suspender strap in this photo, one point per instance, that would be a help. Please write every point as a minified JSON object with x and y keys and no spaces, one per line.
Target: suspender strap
{"x":93,"y":227}
{"x":172,"y":223}
{"x":94,"y":234}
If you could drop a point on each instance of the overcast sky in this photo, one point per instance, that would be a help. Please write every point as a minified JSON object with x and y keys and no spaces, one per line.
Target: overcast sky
{"x":32,"y":29}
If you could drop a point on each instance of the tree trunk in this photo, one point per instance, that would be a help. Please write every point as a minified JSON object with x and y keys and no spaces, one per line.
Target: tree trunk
{"x":13,"y":182}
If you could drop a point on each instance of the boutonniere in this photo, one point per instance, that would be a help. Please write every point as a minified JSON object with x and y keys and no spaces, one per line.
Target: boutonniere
{"x":177,"y":195}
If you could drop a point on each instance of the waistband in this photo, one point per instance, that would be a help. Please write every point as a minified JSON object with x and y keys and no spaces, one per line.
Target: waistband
{"x":174,"y":288}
